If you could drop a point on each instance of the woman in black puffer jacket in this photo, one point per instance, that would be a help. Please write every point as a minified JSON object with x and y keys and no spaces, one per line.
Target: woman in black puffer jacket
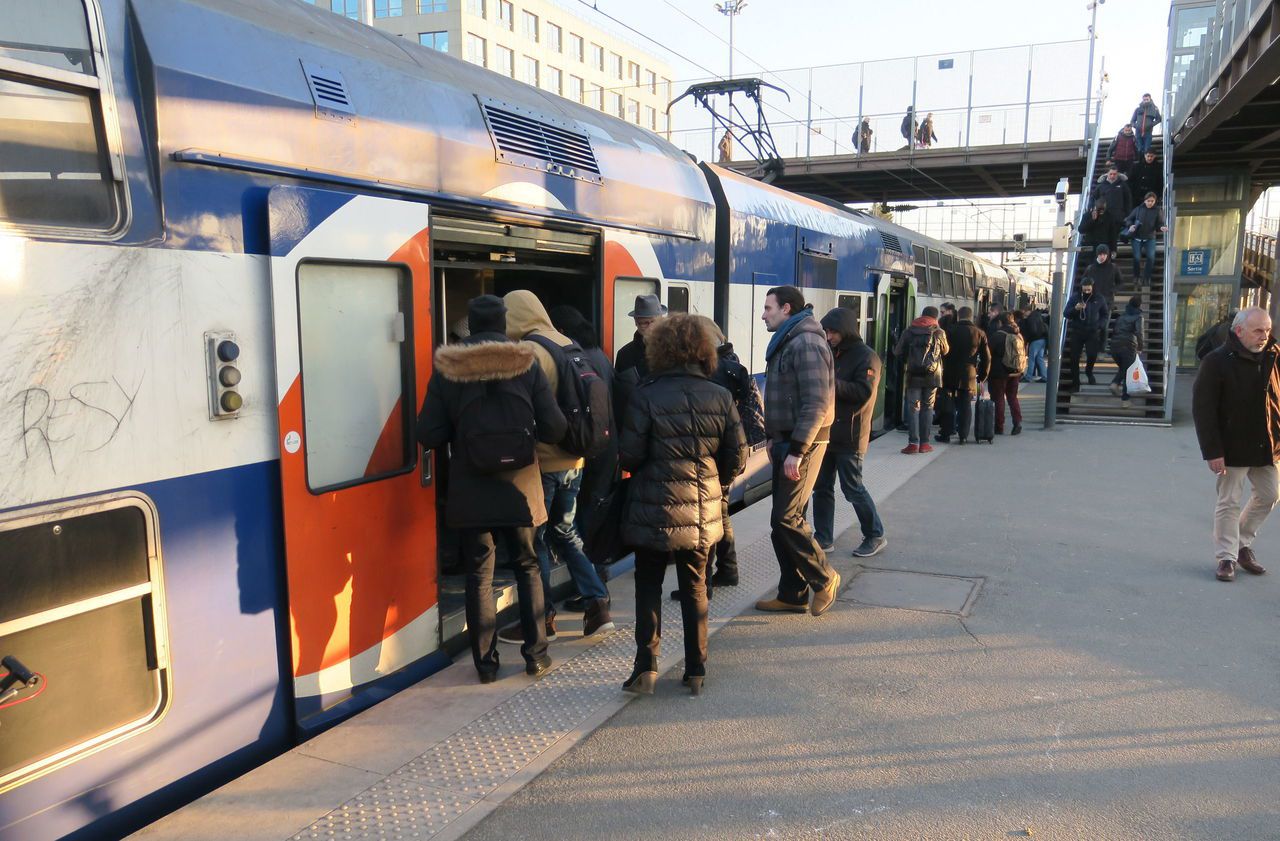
{"x":682,"y":441}
{"x":1126,"y":344}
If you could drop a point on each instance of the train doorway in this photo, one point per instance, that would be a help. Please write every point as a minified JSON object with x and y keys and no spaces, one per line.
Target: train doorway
{"x":899,"y":310}
{"x":474,"y":257}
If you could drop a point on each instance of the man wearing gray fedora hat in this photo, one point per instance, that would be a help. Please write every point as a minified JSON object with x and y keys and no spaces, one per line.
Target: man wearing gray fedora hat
{"x":630,"y":367}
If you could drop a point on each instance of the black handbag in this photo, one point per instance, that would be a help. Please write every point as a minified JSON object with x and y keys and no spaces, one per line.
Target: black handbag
{"x":603,"y":541}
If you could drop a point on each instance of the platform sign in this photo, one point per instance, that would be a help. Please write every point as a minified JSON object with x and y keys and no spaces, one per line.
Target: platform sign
{"x":1196,"y":261}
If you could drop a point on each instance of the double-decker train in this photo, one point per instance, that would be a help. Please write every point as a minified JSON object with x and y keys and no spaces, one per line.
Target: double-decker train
{"x":231,"y":234}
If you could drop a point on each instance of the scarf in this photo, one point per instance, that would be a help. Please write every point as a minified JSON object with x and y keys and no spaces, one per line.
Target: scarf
{"x":780,"y":335}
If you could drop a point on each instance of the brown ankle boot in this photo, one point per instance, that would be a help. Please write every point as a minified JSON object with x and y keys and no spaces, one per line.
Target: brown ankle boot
{"x":596,"y":618}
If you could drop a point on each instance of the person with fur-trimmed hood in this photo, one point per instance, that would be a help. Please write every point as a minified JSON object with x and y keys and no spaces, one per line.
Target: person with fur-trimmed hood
{"x":682,"y":441}
{"x":485,"y":499}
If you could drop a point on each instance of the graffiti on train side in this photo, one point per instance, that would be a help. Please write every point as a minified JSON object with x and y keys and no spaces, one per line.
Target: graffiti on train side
{"x":55,"y":427}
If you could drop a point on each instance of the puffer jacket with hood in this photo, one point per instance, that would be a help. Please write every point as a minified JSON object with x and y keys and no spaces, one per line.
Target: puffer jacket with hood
{"x":1115,"y":194}
{"x":683,"y":443}
{"x":923,"y":328}
{"x":482,"y":362}
{"x":525,"y":315}
{"x":857,"y":371}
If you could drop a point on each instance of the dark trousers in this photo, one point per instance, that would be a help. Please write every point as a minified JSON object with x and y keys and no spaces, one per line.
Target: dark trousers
{"x":691,"y":573}
{"x":1006,"y":389}
{"x":478,"y":556}
{"x":1087,"y":340}
{"x":726,"y":551}
{"x":801,"y":562}
{"x":1124,"y":358}
{"x":847,"y":466}
{"x":957,"y":412}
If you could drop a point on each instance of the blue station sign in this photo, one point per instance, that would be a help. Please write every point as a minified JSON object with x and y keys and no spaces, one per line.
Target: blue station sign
{"x":1196,"y":261}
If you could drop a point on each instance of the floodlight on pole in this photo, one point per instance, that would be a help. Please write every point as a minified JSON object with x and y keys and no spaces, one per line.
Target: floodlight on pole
{"x":731,"y":9}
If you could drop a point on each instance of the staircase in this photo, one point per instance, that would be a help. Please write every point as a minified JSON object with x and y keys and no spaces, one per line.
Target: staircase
{"x":1096,"y":403}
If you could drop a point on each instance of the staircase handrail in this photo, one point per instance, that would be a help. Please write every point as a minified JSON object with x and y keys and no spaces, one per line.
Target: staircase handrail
{"x":1170,"y":217}
{"x":1074,"y":252}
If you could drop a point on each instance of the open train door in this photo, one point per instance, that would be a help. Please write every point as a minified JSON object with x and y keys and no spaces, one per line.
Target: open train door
{"x":350,"y":291}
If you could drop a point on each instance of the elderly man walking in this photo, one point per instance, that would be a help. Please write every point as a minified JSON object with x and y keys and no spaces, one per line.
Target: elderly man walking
{"x":1236,"y":405}
{"x":799,"y":408}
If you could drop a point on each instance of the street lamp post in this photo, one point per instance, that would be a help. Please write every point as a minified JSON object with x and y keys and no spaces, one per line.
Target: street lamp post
{"x":731,"y":9}
{"x":1093,"y":38}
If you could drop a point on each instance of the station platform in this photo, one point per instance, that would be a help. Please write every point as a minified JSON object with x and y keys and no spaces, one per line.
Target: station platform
{"x":1042,"y":650}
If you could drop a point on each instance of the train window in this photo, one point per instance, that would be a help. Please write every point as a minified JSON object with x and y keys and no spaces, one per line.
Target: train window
{"x":56,"y":170}
{"x":357,"y":383}
{"x":852,"y":302}
{"x":935,"y":272}
{"x":677,"y":297}
{"x":817,"y":271}
{"x":625,"y":291}
{"x":75,"y":575}
{"x":53,"y":33}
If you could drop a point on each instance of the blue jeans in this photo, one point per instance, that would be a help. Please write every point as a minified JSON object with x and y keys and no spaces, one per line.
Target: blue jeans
{"x":848,"y":466}
{"x":1143,"y":142}
{"x":560,"y":490}
{"x":1143,"y":248}
{"x":1036,"y":366}
{"x":920,"y":414}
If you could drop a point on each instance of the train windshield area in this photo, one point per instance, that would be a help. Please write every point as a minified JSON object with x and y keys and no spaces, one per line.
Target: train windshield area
{"x":477,"y":257}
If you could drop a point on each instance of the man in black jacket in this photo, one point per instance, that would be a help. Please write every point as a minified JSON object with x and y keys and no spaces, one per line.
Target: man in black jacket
{"x":1113,"y":188}
{"x":1086,"y":315}
{"x":1236,"y":406}
{"x":857,"y":373}
{"x":487,"y":366}
{"x":1146,"y":176}
{"x":966,"y":364}
{"x":630,"y":367}
{"x":1036,"y":334}
{"x":1104,"y":275}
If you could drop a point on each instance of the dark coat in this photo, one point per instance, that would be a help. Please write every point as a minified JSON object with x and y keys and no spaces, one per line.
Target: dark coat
{"x":682,"y":441}
{"x":733,"y":375}
{"x":631,"y":355}
{"x":1104,"y":230}
{"x":1105,"y":276}
{"x":1236,"y":404}
{"x":1034,"y":327}
{"x":1094,"y":316}
{"x":1146,"y":178}
{"x":998,"y":339}
{"x":968,"y":359}
{"x":479,"y":363}
{"x":1145,"y":117}
{"x":630,"y":369}
{"x":1127,"y":332}
{"x":1115,"y":194}
{"x":919,"y":329}
{"x":857,"y":370}
{"x":1145,"y":222}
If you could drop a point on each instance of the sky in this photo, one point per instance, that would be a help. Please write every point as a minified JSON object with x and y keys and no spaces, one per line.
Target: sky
{"x":781,"y":34}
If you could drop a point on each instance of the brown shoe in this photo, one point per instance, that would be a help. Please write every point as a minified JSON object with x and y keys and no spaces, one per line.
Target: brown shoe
{"x":824,"y":598}
{"x":776,"y":605}
{"x":1226,"y":570}
{"x":1249,"y":563}
{"x":596,"y":618}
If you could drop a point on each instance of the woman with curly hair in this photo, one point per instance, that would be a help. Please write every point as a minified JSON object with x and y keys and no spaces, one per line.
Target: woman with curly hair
{"x":682,"y":441}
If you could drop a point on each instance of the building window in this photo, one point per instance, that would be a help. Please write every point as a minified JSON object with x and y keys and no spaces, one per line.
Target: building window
{"x":650,"y":118}
{"x":476,"y":7}
{"x":555,"y":37}
{"x":615,"y":65}
{"x":504,"y":61}
{"x":651,"y":81}
{"x":431,"y":7}
{"x":664,"y":89}
{"x":435,"y":40}
{"x":614,"y":101}
{"x":346,"y":8}
{"x":476,"y":50}
{"x":597,"y":56}
{"x":595,"y":97}
{"x":633,"y":111}
{"x":633,"y":73}
{"x":529,"y":25}
{"x":576,"y":90}
{"x":506,"y":14}
{"x":529,"y":71}
{"x":388,"y":8}
{"x":553,"y":80}
{"x":577,"y":47}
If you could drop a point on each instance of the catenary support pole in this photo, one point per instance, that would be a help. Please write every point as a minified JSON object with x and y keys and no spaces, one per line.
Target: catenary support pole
{"x":1055,"y":328}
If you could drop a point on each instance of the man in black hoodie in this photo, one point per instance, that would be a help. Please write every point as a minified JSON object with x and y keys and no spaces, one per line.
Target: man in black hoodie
{"x":485,"y":499}
{"x":857,"y":373}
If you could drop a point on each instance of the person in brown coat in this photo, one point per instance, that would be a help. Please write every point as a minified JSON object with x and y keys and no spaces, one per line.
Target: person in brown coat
{"x":1236,"y":406}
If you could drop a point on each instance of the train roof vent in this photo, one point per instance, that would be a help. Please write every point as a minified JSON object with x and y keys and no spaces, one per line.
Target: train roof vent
{"x":891,"y":242}
{"x":524,"y":138}
{"x":329,"y":93}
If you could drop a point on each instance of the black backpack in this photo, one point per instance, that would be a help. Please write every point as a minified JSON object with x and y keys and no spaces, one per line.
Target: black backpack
{"x":583,"y":397}
{"x":498,"y":426}
{"x":924,"y":354}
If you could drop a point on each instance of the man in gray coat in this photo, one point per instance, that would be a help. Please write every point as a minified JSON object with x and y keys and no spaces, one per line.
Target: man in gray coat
{"x":799,"y":407}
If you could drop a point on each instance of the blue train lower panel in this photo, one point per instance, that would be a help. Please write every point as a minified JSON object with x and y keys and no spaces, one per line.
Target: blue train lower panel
{"x":230,"y":708}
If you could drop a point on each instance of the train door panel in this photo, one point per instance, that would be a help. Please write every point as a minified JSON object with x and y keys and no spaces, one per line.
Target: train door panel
{"x":900,"y":303}
{"x":350,"y":285}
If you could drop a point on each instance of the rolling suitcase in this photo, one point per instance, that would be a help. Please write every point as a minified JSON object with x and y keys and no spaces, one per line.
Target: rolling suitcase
{"x":984,"y":421}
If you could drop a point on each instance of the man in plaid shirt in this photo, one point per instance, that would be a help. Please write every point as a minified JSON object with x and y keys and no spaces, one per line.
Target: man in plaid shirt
{"x":799,"y":407}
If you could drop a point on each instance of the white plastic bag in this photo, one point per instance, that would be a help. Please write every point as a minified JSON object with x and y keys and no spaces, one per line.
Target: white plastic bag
{"x":1136,"y":378}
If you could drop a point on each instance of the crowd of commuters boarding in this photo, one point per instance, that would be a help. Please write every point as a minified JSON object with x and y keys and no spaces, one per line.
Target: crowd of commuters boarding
{"x":506,"y":402}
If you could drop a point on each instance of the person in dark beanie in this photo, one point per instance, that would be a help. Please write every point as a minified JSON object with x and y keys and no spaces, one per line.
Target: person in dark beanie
{"x":857,"y":373}
{"x":1104,"y":276}
{"x":966,"y":365}
{"x":1126,"y":344}
{"x":487,"y":400}
{"x":1236,"y":407}
{"x":923,"y":345}
{"x":1086,"y":315}
{"x":682,"y":442}
{"x":799,"y":407}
